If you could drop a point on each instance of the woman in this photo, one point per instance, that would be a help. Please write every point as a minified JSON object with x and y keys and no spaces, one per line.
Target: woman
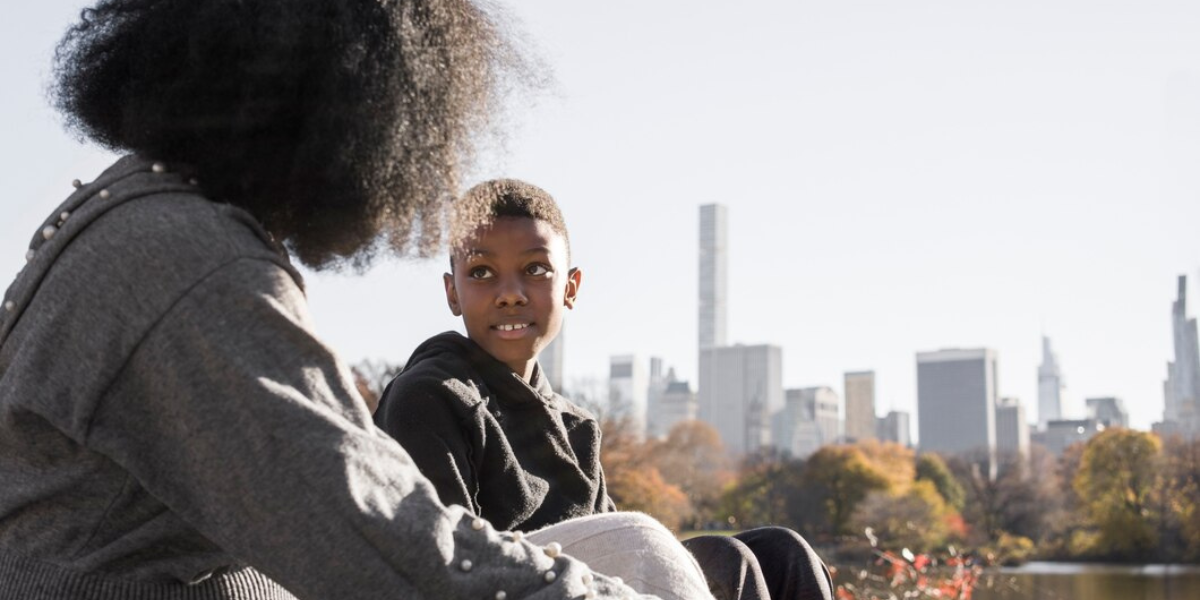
{"x":170,"y":427}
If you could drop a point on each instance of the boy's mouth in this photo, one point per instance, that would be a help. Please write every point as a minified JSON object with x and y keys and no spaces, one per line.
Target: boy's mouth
{"x":513,"y":326}
{"x":512,"y":331}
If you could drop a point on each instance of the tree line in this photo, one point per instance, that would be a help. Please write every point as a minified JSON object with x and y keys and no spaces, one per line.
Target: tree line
{"x":1123,"y":496}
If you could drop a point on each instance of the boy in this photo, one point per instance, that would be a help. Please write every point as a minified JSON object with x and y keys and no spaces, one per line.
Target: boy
{"x":484,"y":426}
{"x":475,"y":413}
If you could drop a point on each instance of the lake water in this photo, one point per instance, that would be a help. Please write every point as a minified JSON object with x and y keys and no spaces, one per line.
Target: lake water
{"x":1072,"y":581}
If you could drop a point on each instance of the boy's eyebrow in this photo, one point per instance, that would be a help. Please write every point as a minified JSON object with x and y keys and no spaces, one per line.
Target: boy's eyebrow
{"x":484,"y":252}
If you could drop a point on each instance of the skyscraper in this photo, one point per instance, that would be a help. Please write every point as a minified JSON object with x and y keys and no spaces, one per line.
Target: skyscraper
{"x":956,"y":400}
{"x":713,"y":275}
{"x":894,"y":428}
{"x":676,"y":405}
{"x":1059,"y":435}
{"x":742,"y":387}
{"x":809,"y":420}
{"x":860,"y":405}
{"x":1012,"y":430}
{"x":657,"y":387}
{"x":1050,"y":387}
{"x":1108,"y":411}
{"x":627,"y":389}
{"x":1181,"y":390}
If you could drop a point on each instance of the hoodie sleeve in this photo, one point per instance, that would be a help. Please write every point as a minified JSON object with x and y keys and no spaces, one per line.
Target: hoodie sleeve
{"x":242,"y":423}
{"x":417,"y":410}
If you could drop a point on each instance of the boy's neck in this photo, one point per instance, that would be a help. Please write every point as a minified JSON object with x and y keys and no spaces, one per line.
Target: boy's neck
{"x":526,"y":373}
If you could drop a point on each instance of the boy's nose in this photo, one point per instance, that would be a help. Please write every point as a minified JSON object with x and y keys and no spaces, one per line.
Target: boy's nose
{"x":512,"y":294}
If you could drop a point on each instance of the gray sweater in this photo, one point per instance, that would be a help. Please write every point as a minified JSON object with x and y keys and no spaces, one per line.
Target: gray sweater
{"x":170,"y":427}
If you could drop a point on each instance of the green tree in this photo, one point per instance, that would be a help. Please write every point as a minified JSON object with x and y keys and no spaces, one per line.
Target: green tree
{"x":931,"y":468}
{"x":1117,"y":478}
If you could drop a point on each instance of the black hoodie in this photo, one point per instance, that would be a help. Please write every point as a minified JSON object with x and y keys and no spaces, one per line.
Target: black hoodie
{"x":515,"y":453}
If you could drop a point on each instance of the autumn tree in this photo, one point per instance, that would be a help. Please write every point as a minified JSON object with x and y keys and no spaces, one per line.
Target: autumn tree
{"x":891,"y":460}
{"x":693,"y":458}
{"x":762,"y":491}
{"x":1117,"y":477}
{"x":634,"y":482}
{"x":644,"y":490}
{"x":371,"y":377}
{"x":1030,"y":503}
{"x":1182,"y":497}
{"x":837,"y":479}
{"x":918,"y":519}
{"x":1178,"y":501}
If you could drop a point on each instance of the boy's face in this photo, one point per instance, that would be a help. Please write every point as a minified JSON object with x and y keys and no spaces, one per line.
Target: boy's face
{"x":510,"y":284}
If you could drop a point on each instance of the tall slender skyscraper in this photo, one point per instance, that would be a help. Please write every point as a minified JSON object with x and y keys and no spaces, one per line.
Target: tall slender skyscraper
{"x":713,"y":275}
{"x":1182,"y":387}
{"x":1050,"y":387}
{"x":860,"y":406}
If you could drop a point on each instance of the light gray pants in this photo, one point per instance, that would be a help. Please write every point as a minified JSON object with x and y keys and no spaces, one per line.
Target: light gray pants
{"x":634,"y":547}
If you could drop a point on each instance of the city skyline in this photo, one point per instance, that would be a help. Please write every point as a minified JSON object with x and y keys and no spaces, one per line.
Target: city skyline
{"x":897,"y":180}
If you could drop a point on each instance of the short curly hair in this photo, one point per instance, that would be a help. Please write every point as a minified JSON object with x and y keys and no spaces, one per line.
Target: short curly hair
{"x":481,"y":205}
{"x":342,"y":125}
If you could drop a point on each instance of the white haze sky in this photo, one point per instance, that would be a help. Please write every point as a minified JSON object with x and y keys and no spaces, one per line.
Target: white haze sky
{"x":900,"y":177}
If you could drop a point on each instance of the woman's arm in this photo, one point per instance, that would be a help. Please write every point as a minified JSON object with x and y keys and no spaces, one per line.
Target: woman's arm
{"x":238,"y":419}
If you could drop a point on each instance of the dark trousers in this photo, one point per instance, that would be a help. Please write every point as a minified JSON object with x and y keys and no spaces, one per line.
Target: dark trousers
{"x":768,"y":563}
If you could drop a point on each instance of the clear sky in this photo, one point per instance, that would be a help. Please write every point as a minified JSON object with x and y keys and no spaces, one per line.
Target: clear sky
{"x":900,"y":177}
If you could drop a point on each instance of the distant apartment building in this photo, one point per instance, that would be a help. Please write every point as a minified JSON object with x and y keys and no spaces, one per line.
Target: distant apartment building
{"x":740,"y":388}
{"x":674,"y":403}
{"x":860,"y":405}
{"x":1062,"y":433}
{"x":894,"y":427}
{"x":1012,"y":430}
{"x":794,"y":427}
{"x":956,"y":400}
{"x":1050,"y":387}
{"x":1109,"y":411}
{"x":628,"y":387}
{"x":809,"y":420}
{"x":655,"y":387}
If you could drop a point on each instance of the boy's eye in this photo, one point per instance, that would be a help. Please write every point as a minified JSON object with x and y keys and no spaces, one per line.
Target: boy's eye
{"x":480,"y":273}
{"x":536,"y":269}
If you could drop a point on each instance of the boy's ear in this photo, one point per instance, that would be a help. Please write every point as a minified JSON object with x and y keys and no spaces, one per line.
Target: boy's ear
{"x":574,"y":280}
{"x":451,"y":294}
